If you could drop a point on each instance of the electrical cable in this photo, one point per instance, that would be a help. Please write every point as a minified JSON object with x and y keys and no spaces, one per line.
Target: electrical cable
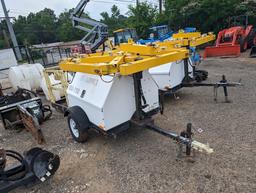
{"x":7,"y":175}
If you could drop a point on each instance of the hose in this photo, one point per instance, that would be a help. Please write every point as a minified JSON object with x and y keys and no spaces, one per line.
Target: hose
{"x":6,"y":175}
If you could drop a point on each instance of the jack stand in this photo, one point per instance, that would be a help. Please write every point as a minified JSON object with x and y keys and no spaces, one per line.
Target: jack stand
{"x":36,"y":166}
{"x":187,"y":134}
{"x":224,"y":82}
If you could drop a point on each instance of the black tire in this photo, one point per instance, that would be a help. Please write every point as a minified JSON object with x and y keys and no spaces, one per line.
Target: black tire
{"x":78,"y":130}
{"x":200,"y":75}
{"x":243,"y":46}
{"x":251,"y":37}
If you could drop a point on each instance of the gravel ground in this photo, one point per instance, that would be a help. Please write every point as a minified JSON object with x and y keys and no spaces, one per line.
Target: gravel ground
{"x":141,"y":161}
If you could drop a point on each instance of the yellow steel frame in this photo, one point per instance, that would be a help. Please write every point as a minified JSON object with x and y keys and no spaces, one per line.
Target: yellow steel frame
{"x":205,"y":38}
{"x":186,"y":35}
{"x":140,"y":65}
{"x":130,"y":58}
{"x":127,"y":60}
{"x":188,"y":39}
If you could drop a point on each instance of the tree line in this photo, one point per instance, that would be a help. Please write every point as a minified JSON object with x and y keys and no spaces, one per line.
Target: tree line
{"x":206,"y":15}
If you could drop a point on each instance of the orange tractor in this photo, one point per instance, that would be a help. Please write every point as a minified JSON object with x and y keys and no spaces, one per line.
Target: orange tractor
{"x":232,"y":41}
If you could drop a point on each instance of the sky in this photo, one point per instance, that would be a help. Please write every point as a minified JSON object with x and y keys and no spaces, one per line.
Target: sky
{"x":94,"y":7}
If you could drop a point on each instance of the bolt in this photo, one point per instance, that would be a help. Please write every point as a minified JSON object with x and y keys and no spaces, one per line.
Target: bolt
{"x":50,"y":166}
{"x":42,"y":179}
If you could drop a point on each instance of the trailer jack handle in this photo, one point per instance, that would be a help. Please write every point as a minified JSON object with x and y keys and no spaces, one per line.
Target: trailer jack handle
{"x":185,"y":138}
{"x":224,"y":83}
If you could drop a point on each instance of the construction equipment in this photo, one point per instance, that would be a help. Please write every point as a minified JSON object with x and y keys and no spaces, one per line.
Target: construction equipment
{"x":162,"y":33}
{"x":189,"y":29}
{"x":36,"y":166}
{"x":123,"y":36}
{"x":111,"y":92}
{"x":176,"y":75}
{"x":232,"y":41}
{"x":253,"y":50}
{"x":96,"y":32}
{"x":157,"y":33}
{"x":184,"y":73}
{"x":24,"y":109}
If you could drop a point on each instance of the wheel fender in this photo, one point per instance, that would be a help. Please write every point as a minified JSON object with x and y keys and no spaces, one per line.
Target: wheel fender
{"x":79,"y":115}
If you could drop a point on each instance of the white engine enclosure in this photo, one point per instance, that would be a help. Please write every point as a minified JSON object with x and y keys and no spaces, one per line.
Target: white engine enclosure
{"x":170,"y":75}
{"x":109,"y":101}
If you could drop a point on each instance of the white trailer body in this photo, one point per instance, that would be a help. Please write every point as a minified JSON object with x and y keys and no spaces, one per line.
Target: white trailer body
{"x":109,"y":101}
{"x":170,"y":75}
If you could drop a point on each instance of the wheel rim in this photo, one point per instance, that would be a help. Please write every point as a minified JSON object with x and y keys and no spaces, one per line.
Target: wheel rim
{"x":73,"y":128}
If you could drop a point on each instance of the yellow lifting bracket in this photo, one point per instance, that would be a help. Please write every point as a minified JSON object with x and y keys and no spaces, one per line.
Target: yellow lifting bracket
{"x":194,"y":42}
{"x":183,"y":35}
{"x":129,"y":59}
{"x":193,"y":39}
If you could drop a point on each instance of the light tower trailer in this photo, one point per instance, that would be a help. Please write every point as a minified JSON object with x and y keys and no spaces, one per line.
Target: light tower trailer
{"x":173,"y":76}
{"x":109,"y":93}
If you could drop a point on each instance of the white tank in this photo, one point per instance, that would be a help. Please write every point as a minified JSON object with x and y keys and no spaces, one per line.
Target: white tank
{"x":26,"y":76}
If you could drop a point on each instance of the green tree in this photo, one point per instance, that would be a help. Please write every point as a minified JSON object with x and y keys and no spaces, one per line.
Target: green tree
{"x":142,"y":17}
{"x":3,"y":40}
{"x":247,"y":7}
{"x":115,"y":20}
{"x":206,"y":15}
{"x":65,"y":30}
{"x":36,"y":28}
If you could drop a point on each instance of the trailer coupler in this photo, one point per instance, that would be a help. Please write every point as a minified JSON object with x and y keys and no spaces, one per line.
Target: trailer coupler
{"x":222,"y":83}
{"x":36,"y":166}
{"x":185,"y":138}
